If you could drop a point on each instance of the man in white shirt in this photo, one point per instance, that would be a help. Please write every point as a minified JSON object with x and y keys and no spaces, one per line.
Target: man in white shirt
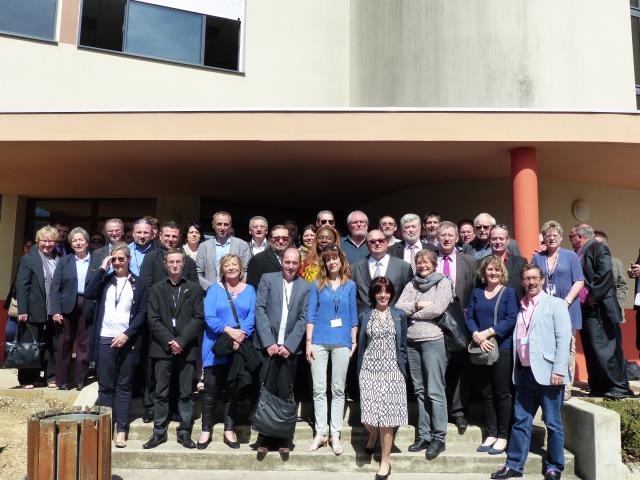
{"x":411,"y":244}
{"x":258,"y":228}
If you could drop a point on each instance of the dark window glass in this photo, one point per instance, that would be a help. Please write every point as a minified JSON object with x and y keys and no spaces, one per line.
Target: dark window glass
{"x":102,"y":23}
{"x":31,"y":18}
{"x":164,"y":33}
{"x":635,"y":39}
{"x":222,"y":43}
{"x":634,"y":3}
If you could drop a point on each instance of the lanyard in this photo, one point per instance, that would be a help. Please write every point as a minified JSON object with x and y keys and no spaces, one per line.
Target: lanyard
{"x":175,"y":299}
{"x":336,"y":305}
{"x":118,"y":296}
{"x":286,"y":296}
{"x":527,"y":327}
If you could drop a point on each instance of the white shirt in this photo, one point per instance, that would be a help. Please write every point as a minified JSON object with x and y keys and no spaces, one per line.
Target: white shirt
{"x":286,"y":298}
{"x":409,"y":253}
{"x":384,"y":263}
{"x":82,"y":268}
{"x":255,"y":249}
{"x":117,"y":313}
{"x":393,"y":241}
{"x":452,"y":265}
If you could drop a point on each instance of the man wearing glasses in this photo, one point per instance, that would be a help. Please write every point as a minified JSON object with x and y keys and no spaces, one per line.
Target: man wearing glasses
{"x":258,"y":228}
{"x":271,"y":259}
{"x":325,"y":217}
{"x":481,"y":246}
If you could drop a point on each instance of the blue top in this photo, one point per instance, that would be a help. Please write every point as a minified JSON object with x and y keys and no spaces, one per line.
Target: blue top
{"x":322,"y":309}
{"x":568,"y":271}
{"x":480,"y":314}
{"x":218,"y":314}
{"x":352,"y":252}
{"x":137,"y":256}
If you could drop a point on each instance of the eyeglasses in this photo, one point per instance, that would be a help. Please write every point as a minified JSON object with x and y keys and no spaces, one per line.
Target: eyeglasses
{"x":374,"y":241}
{"x":118,"y":259}
{"x":329,"y":247}
{"x":537,"y":278}
{"x":571,"y":235}
{"x":280,"y":239}
{"x":483,"y":227}
{"x":325,"y":221}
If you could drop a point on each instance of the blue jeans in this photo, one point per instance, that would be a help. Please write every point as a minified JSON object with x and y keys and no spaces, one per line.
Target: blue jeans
{"x":529,"y":396}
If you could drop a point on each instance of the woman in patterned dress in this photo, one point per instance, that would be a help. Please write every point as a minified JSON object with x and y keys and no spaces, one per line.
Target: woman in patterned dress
{"x":382,"y":370}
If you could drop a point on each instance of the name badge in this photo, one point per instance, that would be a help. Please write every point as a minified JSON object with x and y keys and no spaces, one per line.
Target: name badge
{"x":551,"y":289}
{"x":173,"y":322}
{"x":524,"y":340}
{"x":336,"y":323}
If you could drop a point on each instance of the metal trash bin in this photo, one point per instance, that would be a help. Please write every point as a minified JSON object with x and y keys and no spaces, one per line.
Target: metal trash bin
{"x":69,"y":445}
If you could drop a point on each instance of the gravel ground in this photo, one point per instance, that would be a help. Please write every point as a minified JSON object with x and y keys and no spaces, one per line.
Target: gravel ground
{"x":13,"y":433}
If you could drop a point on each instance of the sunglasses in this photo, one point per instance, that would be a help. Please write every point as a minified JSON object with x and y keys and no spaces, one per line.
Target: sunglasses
{"x":280,"y":239}
{"x":118,"y":259}
{"x":374,"y":241}
{"x":330,"y":222}
{"x":329,"y":247}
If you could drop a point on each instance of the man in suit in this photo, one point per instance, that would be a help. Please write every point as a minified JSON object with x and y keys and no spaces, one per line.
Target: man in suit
{"x":411,"y":244}
{"x":271,"y":259}
{"x":541,"y":341}
{"x":619,"y":280}
{"x":601,"y":316}
{"x":460,"y":269}
{"x":258,"y":228}
{"x":62,"y":245}
{"x":175,"y":318}
{"x":211,"y":251}
{"x":152,"y":271}
{"x":281,"y":306}
{"x":480,"y":247}
{"x":71,"y":312}
{"x":379,"y":264}
{"x":142,"y":244}
{"x":634,"y":272}
{"x":113,"y":231}
{"x":499,"y":241}
{"x":354,"y":245}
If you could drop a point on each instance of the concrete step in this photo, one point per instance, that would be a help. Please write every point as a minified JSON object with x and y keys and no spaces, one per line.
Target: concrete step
{"x":458,"y":458}
{"x":153,"y":474}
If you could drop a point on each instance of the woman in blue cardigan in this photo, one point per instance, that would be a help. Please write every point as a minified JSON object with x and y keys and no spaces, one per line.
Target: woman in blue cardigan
{"x":494,"y":381}
{"x":332,"y":325}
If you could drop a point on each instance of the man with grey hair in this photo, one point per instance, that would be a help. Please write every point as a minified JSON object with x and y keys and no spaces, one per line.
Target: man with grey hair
{"x":411,"y":244}
{"x":113,"y":232}
{"x":354,"y":245}
{"x":601,"y":316}
{"x":481,"y":246}
{"x":258,"y":228}
{"x":325,"y":217}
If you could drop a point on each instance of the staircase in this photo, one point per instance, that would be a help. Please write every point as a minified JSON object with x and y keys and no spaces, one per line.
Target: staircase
{"x":459,"y":461}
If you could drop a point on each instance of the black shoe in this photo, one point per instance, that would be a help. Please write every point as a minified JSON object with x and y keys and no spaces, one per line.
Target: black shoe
{"x":419,"y":444}
{"x":551,"y":474}
{"x":231,"y":444}
{"x":154,"y":441}
{"x":65,"y":386}
{"x":147,"y":416}
{"x":185,"y":440}
{"x":383,"y":477}
{"x":462,"y":425}
{"x":202,"y":446}
{"x":505,"y":472}
{"x":435,"y":448}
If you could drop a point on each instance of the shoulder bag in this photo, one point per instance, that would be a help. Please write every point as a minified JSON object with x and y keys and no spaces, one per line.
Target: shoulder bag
{"x":224,"y":343}
{"x":454,"y":328}
{"x":476,"y":355}
{"x":19,"y":354}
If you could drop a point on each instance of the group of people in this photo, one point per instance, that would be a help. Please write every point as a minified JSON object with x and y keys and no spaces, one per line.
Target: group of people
{"x":230,"y":316}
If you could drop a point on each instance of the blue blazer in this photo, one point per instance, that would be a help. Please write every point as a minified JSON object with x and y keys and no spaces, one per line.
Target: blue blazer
{"x":400,"y":320}
{"x":549,"y":340}
{"x":97,"y":290}
{"x":64,"y":287}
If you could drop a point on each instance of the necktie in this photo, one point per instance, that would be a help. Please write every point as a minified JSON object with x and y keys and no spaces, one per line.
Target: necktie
{"x":446,"y":269}
{"x":376,"y":272}
{"x":412,"y":249}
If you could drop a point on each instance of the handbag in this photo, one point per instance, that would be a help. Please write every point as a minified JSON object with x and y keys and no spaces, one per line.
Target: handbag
{"x":479,"y":357}
{"x":13,"y":308}
{"x":454,"y":328}
{"x":224,"y":343}
{"x":273,"y":416}
{"x":19,"y":354}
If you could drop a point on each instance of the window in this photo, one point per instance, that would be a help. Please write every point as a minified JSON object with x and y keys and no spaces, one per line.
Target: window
{"x":197,"y":33}
{"x":29,"y":18}
{"x":635,"y":38}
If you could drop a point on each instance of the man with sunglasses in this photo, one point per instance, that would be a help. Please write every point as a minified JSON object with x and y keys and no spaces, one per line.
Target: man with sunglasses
{"x":379,"y":264}
{"x":271,"y":259}
{"x":481,"y":246}
{"x":325,"y":217}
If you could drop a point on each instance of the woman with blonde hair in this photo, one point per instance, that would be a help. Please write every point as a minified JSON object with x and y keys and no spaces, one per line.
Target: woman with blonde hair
{"x":332,"y":325}
{"x":229,"y":310}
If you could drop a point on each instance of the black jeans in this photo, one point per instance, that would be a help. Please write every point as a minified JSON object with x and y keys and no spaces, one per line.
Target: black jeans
{"x":115,"y":376}
{"x":165,"y":370}
{"x":494,"y":385}
{"x":215,"y":381}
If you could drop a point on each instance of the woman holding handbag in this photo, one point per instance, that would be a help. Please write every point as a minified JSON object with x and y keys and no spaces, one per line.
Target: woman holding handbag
{"x":229,"y":312}
{"x":491,"y":317}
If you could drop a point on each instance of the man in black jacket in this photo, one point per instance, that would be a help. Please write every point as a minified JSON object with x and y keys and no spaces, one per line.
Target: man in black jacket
{"x":175,"y":318}
{"x":270,"y":260}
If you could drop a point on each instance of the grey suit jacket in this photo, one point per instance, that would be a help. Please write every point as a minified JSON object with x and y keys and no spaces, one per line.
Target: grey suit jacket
{"x":398,"y":271}
{"x":208,"y":264}
{"x":549,"y":340}
{"x":269,"y":311}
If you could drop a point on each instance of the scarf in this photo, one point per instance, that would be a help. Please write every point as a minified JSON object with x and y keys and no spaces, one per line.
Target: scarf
{"x":424,"y":284}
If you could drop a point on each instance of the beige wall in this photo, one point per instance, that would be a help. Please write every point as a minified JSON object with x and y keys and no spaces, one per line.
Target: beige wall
{"x":574,"y":54}
{"x":612,"y":209}
{"x":11,"y":236}
{"x":296,"y":54}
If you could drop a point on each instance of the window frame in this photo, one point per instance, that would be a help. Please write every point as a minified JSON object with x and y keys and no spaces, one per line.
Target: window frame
{"x":202,"y":66}
{"x":635,"y":13}
{"x":37,"y":38}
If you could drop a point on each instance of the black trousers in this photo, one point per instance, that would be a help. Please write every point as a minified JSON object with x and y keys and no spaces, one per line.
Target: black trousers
{"x":215,"y":382}
{"x":458,"y":383}
{"x":602,"y":344}
{"x":115,"y":376}
{"x":147,"y":374}
{"x":166,"y":369}
{"x":494,"y":385}
{"x":73,"y":336}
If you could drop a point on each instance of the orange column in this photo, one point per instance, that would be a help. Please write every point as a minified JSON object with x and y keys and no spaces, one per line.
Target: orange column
{"x":524,"y":184}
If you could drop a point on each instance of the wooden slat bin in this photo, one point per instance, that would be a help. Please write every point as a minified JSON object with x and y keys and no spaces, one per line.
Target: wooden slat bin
{"x":69,"y":445}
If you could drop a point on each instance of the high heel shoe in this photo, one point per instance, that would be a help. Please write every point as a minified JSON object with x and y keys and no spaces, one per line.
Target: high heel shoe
{"x":318,"y":441}
{"x":383,"y":477}
{"x":230,"y":443}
